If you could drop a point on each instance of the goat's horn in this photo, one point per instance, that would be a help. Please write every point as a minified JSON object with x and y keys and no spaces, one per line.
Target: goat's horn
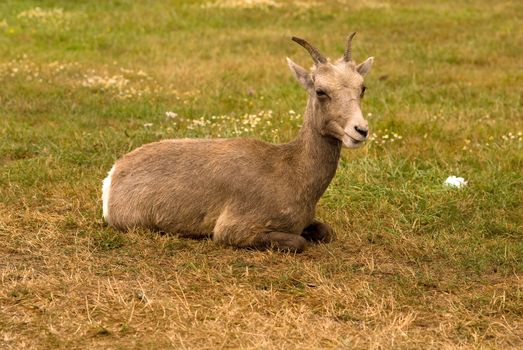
{"x":347,"y":56}
{"x":316,"y":55}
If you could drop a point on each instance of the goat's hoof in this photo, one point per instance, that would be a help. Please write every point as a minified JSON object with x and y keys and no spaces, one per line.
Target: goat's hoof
{"x":318,"y":232}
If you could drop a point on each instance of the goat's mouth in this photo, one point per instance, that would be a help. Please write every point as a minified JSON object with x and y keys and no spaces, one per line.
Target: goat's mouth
{"x":351,"y":142}
{"x":355,"y":141}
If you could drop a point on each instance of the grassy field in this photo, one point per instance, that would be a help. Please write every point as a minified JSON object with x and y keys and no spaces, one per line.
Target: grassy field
{"x":415,"y":264}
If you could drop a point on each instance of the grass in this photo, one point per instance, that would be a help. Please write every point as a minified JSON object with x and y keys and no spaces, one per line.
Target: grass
{"x":415,"y":265}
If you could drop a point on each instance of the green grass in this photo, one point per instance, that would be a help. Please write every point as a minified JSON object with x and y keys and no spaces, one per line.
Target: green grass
{"x":415,"y":265}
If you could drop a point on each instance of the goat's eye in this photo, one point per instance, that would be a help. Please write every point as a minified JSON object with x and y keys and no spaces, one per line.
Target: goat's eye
{"x":321,"y":94}
{"x":363,"y":88}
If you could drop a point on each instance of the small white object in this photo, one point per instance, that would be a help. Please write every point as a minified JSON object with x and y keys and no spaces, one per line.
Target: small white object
{"x":148,"y":125}
{"x":453,"y":181}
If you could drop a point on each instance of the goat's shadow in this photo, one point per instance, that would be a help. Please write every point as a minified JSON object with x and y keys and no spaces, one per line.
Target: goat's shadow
{"x":182,"y":236}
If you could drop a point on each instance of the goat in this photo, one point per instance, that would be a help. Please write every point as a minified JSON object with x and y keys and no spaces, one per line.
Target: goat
{"x":245,"y":192}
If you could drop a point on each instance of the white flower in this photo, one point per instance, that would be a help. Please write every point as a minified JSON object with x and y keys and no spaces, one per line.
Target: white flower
{"x":148,"y":125}
{"x":171,"y":115}
{"x":453,"y":181}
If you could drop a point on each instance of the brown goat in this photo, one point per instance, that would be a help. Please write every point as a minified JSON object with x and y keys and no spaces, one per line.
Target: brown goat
{"x":245,"y":192}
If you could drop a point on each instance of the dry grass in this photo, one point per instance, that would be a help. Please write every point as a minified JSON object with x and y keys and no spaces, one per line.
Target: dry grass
{"x":64,"y":287}
{"x":415,"y":265}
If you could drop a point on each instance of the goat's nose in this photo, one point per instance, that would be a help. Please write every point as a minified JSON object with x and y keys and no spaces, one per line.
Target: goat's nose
{"x":362,"y":131}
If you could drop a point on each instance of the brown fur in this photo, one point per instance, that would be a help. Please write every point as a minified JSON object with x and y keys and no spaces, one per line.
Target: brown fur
{"x":242,"y":192}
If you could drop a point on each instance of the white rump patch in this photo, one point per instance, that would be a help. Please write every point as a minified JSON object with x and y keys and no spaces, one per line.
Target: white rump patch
{"x":106,"y":189}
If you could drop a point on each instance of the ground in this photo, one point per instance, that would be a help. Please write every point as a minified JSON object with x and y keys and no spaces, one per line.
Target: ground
{"x":415,"y":264}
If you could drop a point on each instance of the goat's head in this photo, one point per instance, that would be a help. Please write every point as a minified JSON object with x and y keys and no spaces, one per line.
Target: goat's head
{"x":335,"y":91}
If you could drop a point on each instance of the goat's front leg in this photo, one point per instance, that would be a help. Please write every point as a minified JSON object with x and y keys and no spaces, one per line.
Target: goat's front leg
{"x":281,"y":241}
{"x":318,"y":232}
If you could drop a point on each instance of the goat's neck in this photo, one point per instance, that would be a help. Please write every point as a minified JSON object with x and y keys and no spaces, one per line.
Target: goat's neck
{"x":318,"y":154}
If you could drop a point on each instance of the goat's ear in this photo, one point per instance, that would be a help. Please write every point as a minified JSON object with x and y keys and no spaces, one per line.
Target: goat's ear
{"x":364,"y":67}
{"x":301,"y":74}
